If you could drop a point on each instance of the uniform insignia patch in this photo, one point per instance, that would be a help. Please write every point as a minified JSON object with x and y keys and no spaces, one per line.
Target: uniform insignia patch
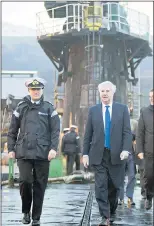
{"x":20,"y":103}
{"x":42,"y":113}
{"x":48,"y":102}
{"x":35,"y":82}
{"x":54,"y":113}
{"x":16,"y":114}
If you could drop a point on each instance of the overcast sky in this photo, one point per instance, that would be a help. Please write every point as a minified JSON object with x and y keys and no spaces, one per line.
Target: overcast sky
{"x":24,"y":13}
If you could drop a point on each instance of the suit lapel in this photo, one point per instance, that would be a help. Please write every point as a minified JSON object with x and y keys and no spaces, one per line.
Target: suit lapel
{"x":100,"y":116}
{"x":114,"y":115}
{"x":113,"y":118}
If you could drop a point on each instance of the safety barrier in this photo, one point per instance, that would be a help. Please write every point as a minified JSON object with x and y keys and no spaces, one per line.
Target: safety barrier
{"x":79,"y":16}
{"x":52,"y":26}
{"x":127,"y":20}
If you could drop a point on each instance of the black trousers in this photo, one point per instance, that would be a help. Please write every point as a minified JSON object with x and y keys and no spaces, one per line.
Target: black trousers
{"x":142,"y":184}
{"x":33,"y":182}
{"x":149,"y":177}
{"x":69,"y":163}
{"x":77,"y":161}
{"x":108,"y":179}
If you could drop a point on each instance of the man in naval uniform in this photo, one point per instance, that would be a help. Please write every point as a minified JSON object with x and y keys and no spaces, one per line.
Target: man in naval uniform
{"x":66,"y":130}
{"x":70,"y":147}
{"x":107,"y":143}
{"x":33,"y":139}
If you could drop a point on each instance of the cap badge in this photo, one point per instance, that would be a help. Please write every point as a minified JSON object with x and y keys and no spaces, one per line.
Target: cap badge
{"x":35,"y":82}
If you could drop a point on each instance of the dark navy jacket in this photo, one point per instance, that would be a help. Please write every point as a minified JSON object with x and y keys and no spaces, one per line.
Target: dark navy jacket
{"x":70,"y":143}
{"x":34,"y":130}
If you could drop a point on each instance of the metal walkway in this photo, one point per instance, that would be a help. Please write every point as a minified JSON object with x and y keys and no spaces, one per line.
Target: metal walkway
{"x":67,"y":204}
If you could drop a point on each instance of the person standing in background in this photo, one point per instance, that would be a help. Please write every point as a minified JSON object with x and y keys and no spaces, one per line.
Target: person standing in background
{"x":70,"y":142}
{"x":140,"y":163}
{"x":130,"y":167}
{"x":145,"y":151}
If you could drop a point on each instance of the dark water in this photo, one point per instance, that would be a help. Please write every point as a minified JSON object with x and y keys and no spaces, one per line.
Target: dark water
{"x":64,"y":205}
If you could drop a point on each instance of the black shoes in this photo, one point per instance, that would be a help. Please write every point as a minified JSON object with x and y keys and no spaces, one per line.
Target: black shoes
{"x":104,"y":222}
{"x":121,"y":202}
{"x":130,"y":202}
{"x":36,"y":223}
{"x":148,"y":204}
{"x":143,"y":195}
{"x":113,"y":217}
{"x":26,"y":218}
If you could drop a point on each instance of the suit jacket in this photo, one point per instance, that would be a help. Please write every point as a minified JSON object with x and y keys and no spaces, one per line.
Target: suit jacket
{"x":144,"y":138}
{"x":94,"y":138}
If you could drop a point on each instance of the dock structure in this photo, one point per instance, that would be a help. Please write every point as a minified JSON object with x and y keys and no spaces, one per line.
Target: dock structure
{"x":88,"y":43}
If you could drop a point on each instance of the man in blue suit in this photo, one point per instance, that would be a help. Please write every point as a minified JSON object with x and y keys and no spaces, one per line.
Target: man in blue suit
{"x":107,"y":144}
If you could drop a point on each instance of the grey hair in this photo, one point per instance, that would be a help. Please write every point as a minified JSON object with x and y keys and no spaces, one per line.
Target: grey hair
{"x":105,"y":84}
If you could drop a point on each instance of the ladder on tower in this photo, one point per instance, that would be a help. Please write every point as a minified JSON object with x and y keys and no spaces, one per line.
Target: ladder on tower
{"x":93,"y":55}
{"x":93,"y":66}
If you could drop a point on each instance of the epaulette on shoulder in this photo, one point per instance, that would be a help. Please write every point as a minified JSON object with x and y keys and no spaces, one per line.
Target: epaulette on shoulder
{"x":20,"y":103}
{"x":49,"y":103}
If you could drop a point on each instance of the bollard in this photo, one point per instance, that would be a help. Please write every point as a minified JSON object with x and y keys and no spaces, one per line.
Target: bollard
{"x":11,"y":173}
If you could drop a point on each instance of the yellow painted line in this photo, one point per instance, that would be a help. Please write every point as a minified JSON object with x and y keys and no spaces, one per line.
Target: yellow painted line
{"x":49,"y":35}
{"x":6,"y":191}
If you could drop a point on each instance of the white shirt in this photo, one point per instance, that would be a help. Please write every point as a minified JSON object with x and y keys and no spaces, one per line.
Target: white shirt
{"x":104,"y":110}
{"x":35,"y":102}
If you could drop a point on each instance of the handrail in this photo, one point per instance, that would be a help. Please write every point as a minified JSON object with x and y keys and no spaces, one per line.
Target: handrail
{"x":54,"y":25}
{"x":134,"y":22}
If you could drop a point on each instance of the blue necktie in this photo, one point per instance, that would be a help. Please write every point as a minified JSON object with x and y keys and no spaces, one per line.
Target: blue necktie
{"x":107,"y":127}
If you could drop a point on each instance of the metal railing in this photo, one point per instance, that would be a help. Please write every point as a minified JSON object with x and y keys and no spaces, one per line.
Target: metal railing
{"x":127,"y":20}
{"x":124,"y":19}
{"x":51,"y":26}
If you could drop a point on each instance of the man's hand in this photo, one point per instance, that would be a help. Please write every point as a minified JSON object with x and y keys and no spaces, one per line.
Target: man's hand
{"x":11,"y":155}
{"x":141,"y":156}
{"x":52,"y":154}
{"x":85,"y":160}
{"x":124,"y":155}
